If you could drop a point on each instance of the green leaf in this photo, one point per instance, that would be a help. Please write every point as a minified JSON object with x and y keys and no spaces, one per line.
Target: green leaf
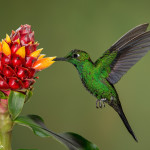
{"x":29,"y":93}
{"x":15,"y":103}
{"x":2,"y":95}
{"x":71,"y":140}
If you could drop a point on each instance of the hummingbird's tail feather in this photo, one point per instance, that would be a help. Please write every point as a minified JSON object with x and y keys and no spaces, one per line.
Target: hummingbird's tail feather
{"x":119,"y":110}
{"x":126,"y":123}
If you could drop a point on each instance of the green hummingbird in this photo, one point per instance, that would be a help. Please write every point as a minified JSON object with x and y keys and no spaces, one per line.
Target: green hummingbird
{"x":99,"y":77}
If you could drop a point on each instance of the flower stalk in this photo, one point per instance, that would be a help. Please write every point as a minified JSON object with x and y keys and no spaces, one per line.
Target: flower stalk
{"x":6,"y":126}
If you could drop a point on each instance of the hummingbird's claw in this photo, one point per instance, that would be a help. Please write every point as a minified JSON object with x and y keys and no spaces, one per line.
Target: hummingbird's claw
{"x":101,"y":103}
{"x":96,"y":103}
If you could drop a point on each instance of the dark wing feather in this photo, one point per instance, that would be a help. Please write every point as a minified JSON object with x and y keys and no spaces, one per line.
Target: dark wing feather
{"x":128,"y":55}
{"x":124,"y":39}
{"x":129,"y":35}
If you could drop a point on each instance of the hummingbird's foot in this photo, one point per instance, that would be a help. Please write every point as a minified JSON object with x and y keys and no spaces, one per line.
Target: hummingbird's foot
{"x":101,"y":103}
{"x":97,"y":101}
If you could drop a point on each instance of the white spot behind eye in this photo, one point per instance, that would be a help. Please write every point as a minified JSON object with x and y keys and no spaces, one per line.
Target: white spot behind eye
{"x":76,"y":55}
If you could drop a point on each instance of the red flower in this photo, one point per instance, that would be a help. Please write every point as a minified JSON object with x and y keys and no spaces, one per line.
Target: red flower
{"x":20,"y":60}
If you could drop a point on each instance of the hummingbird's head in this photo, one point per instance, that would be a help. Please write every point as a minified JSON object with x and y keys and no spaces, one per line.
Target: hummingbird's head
{"x":75,"y":57}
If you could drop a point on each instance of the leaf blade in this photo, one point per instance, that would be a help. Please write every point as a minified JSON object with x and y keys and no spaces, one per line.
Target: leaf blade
{"x":3,"y":96}
{"x":29,"y":94}
{"x":71,"y":140}
{"x":15,"y":103}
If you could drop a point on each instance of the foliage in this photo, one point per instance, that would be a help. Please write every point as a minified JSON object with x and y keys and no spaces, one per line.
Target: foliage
{"x":72,"y":140}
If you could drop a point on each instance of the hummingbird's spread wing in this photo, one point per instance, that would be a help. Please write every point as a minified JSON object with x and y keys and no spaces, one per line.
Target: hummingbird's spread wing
{"x":128,"y":55}
{"x":128,"y":36}
{"x":125,"y":53}
{"x":124,"y":39}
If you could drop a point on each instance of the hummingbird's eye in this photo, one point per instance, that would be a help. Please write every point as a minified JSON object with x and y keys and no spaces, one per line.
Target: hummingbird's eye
{"x":75,"y":55}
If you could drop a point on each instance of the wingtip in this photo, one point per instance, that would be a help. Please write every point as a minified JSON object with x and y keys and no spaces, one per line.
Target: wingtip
{"x":146,"y":24}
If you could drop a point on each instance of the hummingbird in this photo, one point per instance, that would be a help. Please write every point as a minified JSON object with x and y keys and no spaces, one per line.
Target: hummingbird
{"x":100,"y":76}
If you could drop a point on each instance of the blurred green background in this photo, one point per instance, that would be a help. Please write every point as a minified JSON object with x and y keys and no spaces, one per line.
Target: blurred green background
{"x":59,"y":97}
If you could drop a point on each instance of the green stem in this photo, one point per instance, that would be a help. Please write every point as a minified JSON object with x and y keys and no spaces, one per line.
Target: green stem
{"x":5,"y":141}
{"x":6,"y":125}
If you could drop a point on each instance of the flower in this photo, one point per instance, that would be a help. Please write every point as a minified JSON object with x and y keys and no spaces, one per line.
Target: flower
{"x":20,"y":60}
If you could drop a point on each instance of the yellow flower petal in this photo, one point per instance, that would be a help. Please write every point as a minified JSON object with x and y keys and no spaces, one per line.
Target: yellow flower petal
{"x":36,"y":42}
{"x":8,"y":40}
{"x":30,"y":43}
{"x":41,"y":56}
{"x":21,"y":52}
{"x":43,"y":63}
{"x":36,"y":53}
{"x":18,"y":41}
{"x":6,"y":48}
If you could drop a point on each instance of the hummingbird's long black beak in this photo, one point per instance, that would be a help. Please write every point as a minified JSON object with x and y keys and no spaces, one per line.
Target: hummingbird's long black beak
{"x":60,"y":59}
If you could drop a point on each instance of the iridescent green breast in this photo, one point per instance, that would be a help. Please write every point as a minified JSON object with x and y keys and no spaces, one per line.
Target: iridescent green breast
{"x":93,"y":81}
